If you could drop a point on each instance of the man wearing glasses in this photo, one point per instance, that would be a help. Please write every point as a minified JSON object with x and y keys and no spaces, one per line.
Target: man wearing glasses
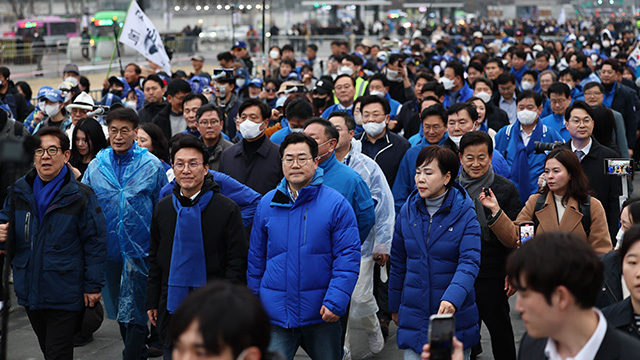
{"x":209,"y":123}
{"x":304,"y":249}
{"x":593,"y":96}
{"x":59,"y":242}
{"x":560,"y":99}
{"x":507,"y":101}
{"x":591,"y":154}
{"x":127,"y":180}
{"x":196,"y":236}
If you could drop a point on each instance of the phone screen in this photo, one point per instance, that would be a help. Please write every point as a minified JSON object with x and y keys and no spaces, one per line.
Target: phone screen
{"x":441,"y":331}
{"x":526,"y":232}
{"x":619,"y":166}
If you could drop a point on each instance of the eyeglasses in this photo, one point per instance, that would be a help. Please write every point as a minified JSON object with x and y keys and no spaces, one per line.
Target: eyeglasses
{"x":593,"y":93}
{"x":367,"y":116}
{"x":302,"y":161}
{"x":270,"y":89}
{"x":428,"y":128}
{"x":52,"y":151}
{"x":192,"y":166}
{"x":209,"y":123}
{"x":558,"y":101}
{"x":576,"y":121}
{"x":124,"y":131}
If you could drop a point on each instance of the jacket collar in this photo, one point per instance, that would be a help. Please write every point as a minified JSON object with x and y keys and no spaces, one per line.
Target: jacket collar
{"x":549,"y":217}
{"x":330,"y":163}
{"x":208,"y":185}
{"x":281,"y":197}
{"x":623,"y":314}
{"x":68,"y":193}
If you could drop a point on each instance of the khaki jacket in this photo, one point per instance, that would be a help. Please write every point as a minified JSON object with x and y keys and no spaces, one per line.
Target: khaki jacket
{"x":508,"y":232}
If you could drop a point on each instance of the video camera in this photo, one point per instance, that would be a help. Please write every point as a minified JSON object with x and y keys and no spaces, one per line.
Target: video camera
{"x":541,"y":147}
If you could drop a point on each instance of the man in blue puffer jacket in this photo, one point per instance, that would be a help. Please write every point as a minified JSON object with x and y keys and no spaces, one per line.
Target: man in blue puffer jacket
{"x":304,"y":255}
{"x":59,"y":245}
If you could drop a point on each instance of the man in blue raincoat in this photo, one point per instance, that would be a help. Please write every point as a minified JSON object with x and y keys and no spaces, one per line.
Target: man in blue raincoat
{"x":127,"y":180}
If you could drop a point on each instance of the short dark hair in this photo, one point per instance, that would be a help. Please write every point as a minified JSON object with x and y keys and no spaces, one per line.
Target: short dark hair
{"x":297,"y":138}
{"x":543,"y":54}
{"x":457,"y":107}
{"x":629,"y":239}
{"x":448,"y":161}
{"x":580,"y":58}
{"x":158,"y":141}
{"x":529,"y":94}
{"x":592,"y":84}
{"x":209,"y":107}
{"x":56,"y":132}
{"x":520,"y":54}
{"x":330,"y":131}
{"x":226,"y":56}
{"x":299,"y":108}
{"x":313,"y":47}
{"x":476,"y":65}
{"x":288,"y":62}
{"x":457,"y":67}
{"x":505,"y":78}
{"x":560,"y":89}
{"x":176,"y":86}
{"x":579,"y":104}
{"x":355,"y":59}
{"x":6,"y":73}
{"x":124,"y":114}
{"x":228,"y":315}
{"x":191,"y":96}
{"x":424,"y":75}
{"x":434,"y":86}
{"x":495,"y":60}
{"x":349,"y":121}
{"x":190,"y":142}
{"x":553,"y":259}
{"x":575,"y":75}
{"x":381,"y":78}
{"x":288,"y":47}
{"x":177,"y":137}
{"x":484,"y":80}
{"x":476,"y":138}
{"x":265,"y":111}
{"x":372,"y":99}
{"x":435,"y":110}
{"x":154,"y":78}
{"x":615,"y":65}
{"x":136,"y":68}
{"x":532,"y":73}
{"x":353,"y":81}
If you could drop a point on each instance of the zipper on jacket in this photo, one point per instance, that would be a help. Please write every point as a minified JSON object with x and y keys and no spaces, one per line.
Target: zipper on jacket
{"x":429,"y":230}
{"x":27,"y":221}
{"x":304,"y":239}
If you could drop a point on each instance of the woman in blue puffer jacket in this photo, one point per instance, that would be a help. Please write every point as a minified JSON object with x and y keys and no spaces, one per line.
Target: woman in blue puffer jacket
{"x":435,"y":255}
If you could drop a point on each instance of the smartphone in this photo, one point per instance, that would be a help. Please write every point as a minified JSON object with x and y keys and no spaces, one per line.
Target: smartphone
{"x":442,"y":327}
{"x":527,"y":231}
{"x":486,"y":192}
{"x":618,"y":166}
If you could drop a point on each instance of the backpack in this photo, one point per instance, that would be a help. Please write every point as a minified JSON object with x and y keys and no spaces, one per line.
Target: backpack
{"x":583,"y":207}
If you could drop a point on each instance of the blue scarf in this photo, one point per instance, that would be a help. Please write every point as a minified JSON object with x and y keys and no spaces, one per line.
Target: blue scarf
{"x":188,"y":267}
{"x":44,"y":194}
{"x":520,"y":166}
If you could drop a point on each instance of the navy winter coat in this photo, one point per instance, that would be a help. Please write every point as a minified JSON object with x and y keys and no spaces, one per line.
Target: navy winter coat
{"x":61,"y":256}
{"x":433,"y":259}
{"x":303,"y":254}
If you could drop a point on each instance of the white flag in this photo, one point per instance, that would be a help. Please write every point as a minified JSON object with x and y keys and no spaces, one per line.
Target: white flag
{"x":139,"y":33}
{"x":562,"y":18}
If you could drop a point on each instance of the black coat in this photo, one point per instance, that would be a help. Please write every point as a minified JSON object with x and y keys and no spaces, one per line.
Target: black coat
{"x":163,"y":120}
{"x":388,"y":152}
{"x":611,"y":289}
{"x":493,"y":253}
{"x":625,"y":101}
{"x":607,"y":188}
{"x":620,"y":316}
{"x":225,"y":244}
{"x":615,"y":346}
{"x":496,"y":117}
{"x":408,"y":119}
{"x":150,"y":110}
{"x":262,"y":171}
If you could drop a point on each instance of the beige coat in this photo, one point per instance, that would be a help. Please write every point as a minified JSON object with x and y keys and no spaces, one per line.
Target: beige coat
{"x":508,"y":232}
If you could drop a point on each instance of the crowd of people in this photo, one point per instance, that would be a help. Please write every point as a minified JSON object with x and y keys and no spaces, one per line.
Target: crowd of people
{"x":387,"y":186}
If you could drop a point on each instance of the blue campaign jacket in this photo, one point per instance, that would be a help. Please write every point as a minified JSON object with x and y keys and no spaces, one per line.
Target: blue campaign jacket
{"x":246,"y":198}
{"x":506,"y":145}
{"x":303,"y":254}
{"x":351,"y":185}
{"x":435,"y":259}
{"x":278,"y":136}
{"x":557,"y":123}
{"x":61,"y":255}
{"x":466,"y":93}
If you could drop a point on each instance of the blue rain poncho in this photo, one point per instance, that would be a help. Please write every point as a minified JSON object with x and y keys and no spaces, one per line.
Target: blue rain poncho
{"x":128,"y":188}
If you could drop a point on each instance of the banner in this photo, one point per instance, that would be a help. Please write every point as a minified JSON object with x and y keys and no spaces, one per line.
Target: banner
{"x":140,"y":34}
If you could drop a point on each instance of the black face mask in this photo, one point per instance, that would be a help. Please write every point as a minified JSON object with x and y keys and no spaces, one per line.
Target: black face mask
{"x":117,"y":93}
{"x":319,"y":102}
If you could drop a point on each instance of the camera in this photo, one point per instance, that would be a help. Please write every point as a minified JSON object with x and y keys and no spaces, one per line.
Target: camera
{"x":541,"y":147}
{"x":223,"y":74}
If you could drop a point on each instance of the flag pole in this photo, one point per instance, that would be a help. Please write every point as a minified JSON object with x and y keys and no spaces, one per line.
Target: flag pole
{"x":113,"y":54}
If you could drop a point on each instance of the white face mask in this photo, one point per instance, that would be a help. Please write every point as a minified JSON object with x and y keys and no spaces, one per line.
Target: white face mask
{"x":455,"y":139}
{"x":447,"y":83}
{"x":552,"y":62}
{"x":606,"y":44}
{"x":614,"y":54}
{"x":373,"y":128}
{"x":619,"y":237}
{"x":358,"y":119}
{"x":250,"y":130}
{"x":131,"y":104}
{"x":41,"y":105}
{"x":595,"y":47}
{"x":443,"y":64}
{"x":274,"y":54}
{"x":345,"y":70}
{"x":240,"y":82}
{"x":393,"y":75}
{"x":51,"y":110}
{"x":484,"y":96}
{"x":527,"y":117}
{"x":296,"y":130}
{"x":570,"y":87}
{"x":526,"y":85}
{"x":376,"y":93}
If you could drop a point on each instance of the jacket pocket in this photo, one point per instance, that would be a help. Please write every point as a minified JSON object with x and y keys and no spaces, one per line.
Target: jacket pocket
{"x":62,"y":280}
{"x":20,"y":263}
